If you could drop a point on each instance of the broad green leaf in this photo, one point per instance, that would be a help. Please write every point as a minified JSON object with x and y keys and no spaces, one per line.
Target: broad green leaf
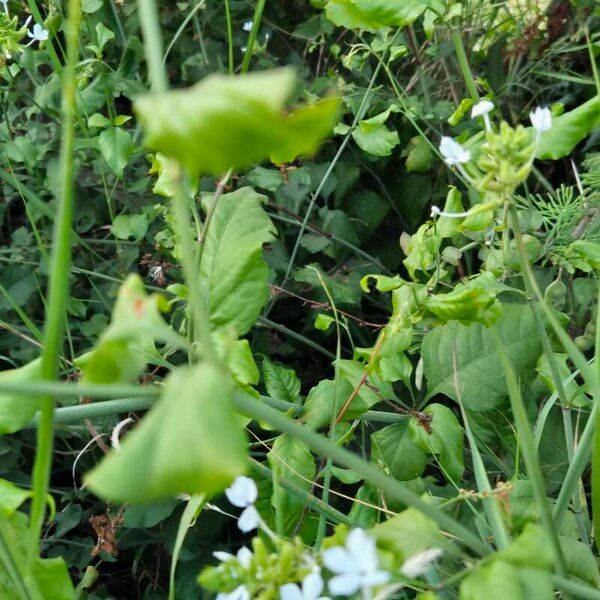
{"x":501,"y":580}
{"x":370,"y":390}
{"x":116,"y":147}
{"x":126,"y":226}
{"x":11,"y":497}
{"x":189,"y":125}
{"x":442,"y":436}
{"x":320,"y":406}
{"x":281,"y":383}
{"x":471,"y":302}
{"x":420,"y":156}
{"x":127,"y":345}
{"x":568,"y":130}
{"x":446,"y":227}
{"x":393,"y":448}
{"x":482,"y":383}
{"x":16,"y":410}
{"x":233,"y":272}
{"x":51,"y":577}
{"x":374,"y":14}
{"x":292,"y":460}
{"x":408,"y":533}
{"x":323,"y":321}
{"x":378,"y":142}
{"x":589,"y":252}
{"x":190,"y":442}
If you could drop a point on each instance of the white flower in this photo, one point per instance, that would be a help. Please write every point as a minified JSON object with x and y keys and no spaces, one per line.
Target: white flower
{"x":419,"y":563}
{"x":244,"y":556}
{"x":541,"y":119}
{"x":240,"y":593}
{"x":355,"y":565}
{"x":247,"y":26}
{"x":5,"y":4}
{"x":243,"y":493}
{"x":452,"y":152}
{"x":482,"y":109}
{"x":38,"y":34}
{"x":312,"y":586}
{"x":155,"y":272}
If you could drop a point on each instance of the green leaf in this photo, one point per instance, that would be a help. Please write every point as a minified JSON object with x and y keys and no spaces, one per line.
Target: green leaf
{"x":500,"y":580}
{"x":233,"y":272}
{"x":104,"y":35}
{"x":16,"y":410}
{"x":374,"y":14}
{"x":116,"y":147}
{"x":568,"y":130}
{"x":372,"y":390}
{"x":408,"y":533}
{"x":378,"y":142}
{"x":190,"y":442}
{"x":127,"y":345}
{"x":320,"y":405}
{"x":481,"y":382}
{"x":420,"y":156}
{"x":292,"y":460}
{"x":323,"y":321}
{"x":444,"y":437}
{"x":51,"y":577}
{"x":126,"y":226}
{"x":281,"y":383}
{"x":189,"y":125}
{"x":471,"y":302}
{"x":11,"y":497}
{"x":393,"y":447}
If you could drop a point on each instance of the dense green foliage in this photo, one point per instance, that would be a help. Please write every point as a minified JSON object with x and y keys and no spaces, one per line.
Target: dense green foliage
{"x":299,"y":299}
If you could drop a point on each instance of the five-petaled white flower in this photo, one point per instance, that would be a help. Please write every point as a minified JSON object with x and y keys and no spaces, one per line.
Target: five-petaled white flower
{"x":452,"y":152}
{"x":247,"y":26}
{"x":243,"y":493}
{"x":417,"y":564}
{"x":541,"y":119}
{"x":38,"y":34}
{"x":483,"y":109}
{"x":355,"y":566}
{"x":240,"y":593}
{"x":244,"y":556}
{"x":312,"y":586}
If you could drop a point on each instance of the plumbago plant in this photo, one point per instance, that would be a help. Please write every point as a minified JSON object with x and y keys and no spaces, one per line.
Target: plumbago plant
{"x":446,"y":455}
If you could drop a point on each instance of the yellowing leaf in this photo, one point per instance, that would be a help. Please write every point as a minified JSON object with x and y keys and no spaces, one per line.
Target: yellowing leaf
{"x":190,"y":442}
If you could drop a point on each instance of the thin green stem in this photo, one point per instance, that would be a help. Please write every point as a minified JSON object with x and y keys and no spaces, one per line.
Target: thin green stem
{"x":530,"y":287}
{"x":256,"y":20}
{"x":229,"y":38}
{"x":307,"y":498}
{"x":58,"y":284}
{"x":321,"y":445}
{"x":580,"y":590}
{"x":463,"y":64}
{"x":525,"y":437}
{"x":153,"y":45}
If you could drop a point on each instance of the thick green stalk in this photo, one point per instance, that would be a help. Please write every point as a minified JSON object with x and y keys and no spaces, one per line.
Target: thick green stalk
{"x":58,"y":283}
{"x":325,"y":447}
{"x":525,"y":437}
{"x":580,"y":590}
{"x":463,"y":63}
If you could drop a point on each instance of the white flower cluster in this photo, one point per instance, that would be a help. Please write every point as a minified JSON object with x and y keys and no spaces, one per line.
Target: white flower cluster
{"x":36,"y":34}
{"x":354,"y":566}
{"x":455,"y":154}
